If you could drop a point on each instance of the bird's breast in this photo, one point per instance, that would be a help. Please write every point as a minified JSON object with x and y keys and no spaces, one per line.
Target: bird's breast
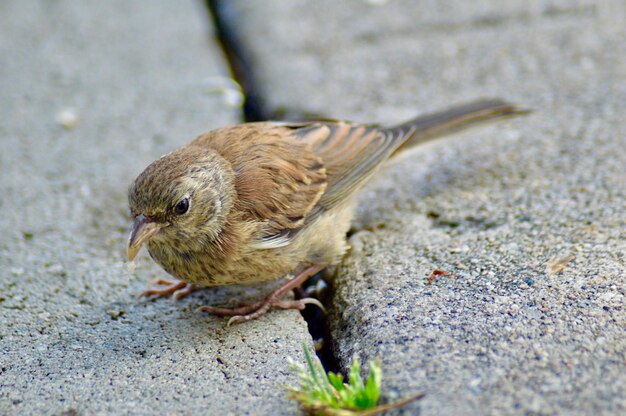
{"x":204,"y":269}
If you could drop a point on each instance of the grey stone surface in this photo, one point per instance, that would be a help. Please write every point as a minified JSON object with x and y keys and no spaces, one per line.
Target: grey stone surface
{"x":134,"y":80}
{"x":527,"y":217}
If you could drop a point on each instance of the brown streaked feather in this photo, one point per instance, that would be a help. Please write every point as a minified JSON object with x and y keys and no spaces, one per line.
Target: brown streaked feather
{"x":278,"y":179}
{"x":351,"y":154}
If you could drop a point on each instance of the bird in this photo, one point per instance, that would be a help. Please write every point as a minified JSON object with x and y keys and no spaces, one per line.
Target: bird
{"x":261,"y":201}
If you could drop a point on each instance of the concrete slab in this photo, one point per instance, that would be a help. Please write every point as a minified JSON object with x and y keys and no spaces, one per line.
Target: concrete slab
{"x":129,"y":81}
{"x":527,"y":217}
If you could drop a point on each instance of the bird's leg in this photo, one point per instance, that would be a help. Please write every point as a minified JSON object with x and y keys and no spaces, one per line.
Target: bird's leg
{"x":177,"y":289}
{"x":273,"y":300}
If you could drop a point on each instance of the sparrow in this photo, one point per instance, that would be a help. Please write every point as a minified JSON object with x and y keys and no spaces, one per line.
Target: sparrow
{"x":260,"y":201}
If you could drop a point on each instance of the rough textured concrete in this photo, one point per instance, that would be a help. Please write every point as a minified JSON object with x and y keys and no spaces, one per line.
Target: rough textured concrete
{"x":134,"y":79}
{"x":527,"y":216}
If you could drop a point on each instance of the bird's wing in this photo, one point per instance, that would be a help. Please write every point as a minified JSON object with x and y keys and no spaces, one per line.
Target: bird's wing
{"x":278,"y":178}
{"x":351,"y":154}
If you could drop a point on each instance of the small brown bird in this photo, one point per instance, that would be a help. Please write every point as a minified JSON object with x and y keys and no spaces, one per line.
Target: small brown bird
{"x":259,"y":201}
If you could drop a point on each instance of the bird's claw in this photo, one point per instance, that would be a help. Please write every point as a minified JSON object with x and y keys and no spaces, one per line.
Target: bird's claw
{"x":176,"y":289}
{"x":255,"y":310}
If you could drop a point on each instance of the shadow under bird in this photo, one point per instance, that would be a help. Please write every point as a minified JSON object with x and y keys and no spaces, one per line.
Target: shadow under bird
{"x":261,"y":201}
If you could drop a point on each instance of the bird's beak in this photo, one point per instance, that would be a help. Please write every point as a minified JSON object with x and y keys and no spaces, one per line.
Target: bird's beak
{"x":143,"y":231}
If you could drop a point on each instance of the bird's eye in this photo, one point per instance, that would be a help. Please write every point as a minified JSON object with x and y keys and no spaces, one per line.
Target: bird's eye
{"x":182,"y":206}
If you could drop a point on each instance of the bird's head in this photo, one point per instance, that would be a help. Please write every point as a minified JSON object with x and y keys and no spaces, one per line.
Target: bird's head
{"x":180,"y":199}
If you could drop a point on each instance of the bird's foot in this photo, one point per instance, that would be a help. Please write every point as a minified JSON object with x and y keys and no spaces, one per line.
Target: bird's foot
{"x":252,"y":311}
{"x":177,"y":289}
{"x":248,"y":312}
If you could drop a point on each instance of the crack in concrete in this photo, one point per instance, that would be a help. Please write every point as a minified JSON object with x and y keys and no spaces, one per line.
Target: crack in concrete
{"x":238,"y":58}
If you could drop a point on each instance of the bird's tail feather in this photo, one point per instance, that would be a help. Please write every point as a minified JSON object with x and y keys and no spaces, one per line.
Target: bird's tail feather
{"x":431,"y":126}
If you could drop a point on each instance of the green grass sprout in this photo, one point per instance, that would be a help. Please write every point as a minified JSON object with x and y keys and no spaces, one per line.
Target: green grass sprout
{"x":326,"y":394}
